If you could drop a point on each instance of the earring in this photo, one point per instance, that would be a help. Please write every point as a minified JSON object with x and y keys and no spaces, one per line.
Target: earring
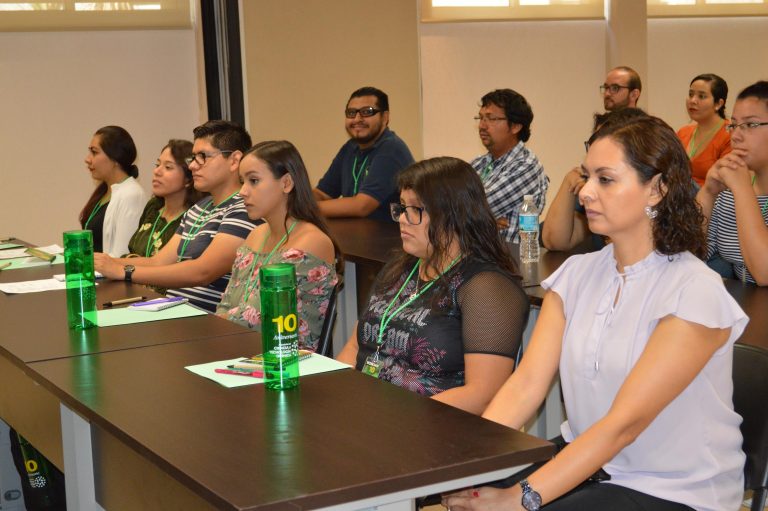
{"x":651,"y":213}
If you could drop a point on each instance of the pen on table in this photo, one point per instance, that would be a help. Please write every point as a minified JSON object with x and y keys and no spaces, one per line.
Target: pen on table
{"x":4,"y":266}
{"x":252,"y":374}
{"x":7,"y":240}
{"x":156,"y":301}
{"x":124,"y":301}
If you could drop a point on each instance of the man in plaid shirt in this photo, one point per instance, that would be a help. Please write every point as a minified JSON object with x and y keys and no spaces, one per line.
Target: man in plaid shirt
{"x":509,"y":170}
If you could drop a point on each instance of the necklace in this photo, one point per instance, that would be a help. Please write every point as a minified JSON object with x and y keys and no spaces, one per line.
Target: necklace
{"x":251,"y":280}
{"x":693,"y":146}
{"x":199,"y":223}
{"x":356,"y":172}
{"x":152,"y":238}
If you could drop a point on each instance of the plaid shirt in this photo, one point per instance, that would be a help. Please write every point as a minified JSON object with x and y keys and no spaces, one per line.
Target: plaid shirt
{"x":513,"y":175}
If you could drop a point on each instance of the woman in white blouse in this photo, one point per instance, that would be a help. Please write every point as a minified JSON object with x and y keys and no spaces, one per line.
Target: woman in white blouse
{"x":642,"y":333}
{"x":115,"y":206}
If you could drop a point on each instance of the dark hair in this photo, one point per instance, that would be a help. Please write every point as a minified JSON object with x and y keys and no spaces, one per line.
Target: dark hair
{"x":758,"y":90}
{"x":516,"y":109}
{"x":224,"y":135}
{"x":718,"y":87}
{"x":652,"y":148}
{"x":382,"y":100}
{"x":618,"y":117}
{"x":282,"y":157}
{"x":119,"y":147}
{"x":454,"y":197}
{"x":180,"y":150}
{"x":634,"y":78}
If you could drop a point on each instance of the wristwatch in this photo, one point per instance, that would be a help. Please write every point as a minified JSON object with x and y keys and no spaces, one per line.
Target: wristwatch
{"x":531,"y":499}
{"x":129,"y":268}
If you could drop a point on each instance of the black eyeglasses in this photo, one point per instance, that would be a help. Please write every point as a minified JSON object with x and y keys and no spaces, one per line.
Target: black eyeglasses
{"x":488,"y":118}
{"x":412,"y":213}
{"x":366,"y":111}
{"x":202,"y":157}
{"x":613,"y":88}
{"x":746,"y":126}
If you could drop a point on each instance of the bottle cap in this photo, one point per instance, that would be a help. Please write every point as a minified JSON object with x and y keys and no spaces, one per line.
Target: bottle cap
{"x":277,"y":275}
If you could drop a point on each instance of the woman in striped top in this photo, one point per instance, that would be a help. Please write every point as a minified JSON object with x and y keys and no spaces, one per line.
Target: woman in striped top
{"x":734,"y":197}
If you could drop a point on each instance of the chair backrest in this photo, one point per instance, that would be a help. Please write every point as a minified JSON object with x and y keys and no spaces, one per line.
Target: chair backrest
{"x":325,"y":343}
{"x":750,"y":400}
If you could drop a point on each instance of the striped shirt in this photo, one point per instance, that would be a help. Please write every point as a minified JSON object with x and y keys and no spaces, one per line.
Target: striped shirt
{"x":722,"y":236}
{"x":507,"y":180}
{"x":200,"y":224}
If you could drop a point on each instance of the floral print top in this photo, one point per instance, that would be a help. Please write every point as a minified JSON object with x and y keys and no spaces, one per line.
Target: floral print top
{"x":315,"y":280}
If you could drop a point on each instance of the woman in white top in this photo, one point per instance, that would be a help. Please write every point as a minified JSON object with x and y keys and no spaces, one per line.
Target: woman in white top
{"x":115,"y":206}
{"x":642,"y":333}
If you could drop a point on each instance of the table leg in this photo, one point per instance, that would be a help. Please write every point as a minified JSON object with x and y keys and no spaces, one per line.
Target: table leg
{"x":78,"y":462}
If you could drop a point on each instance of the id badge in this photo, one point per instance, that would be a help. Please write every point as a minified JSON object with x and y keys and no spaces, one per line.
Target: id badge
{"x":372,"y":366}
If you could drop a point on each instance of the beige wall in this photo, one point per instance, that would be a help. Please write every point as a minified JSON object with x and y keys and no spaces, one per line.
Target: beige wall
{"x":57,"y":88}
{"x":556,"y":65}
{"x":678,"y":50}
{"x":304,"y":57}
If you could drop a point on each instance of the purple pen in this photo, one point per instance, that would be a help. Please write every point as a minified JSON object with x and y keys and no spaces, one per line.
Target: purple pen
{"x":158,"y":301}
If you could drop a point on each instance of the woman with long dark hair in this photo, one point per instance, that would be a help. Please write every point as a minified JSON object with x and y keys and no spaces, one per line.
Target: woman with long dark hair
{"x":447,"y":313}
{"x":173,"y":194}
{"x":705,"y":139}
{"x":642,"y":333}
{"x":276,"y":189}
{"x":114,"y":208}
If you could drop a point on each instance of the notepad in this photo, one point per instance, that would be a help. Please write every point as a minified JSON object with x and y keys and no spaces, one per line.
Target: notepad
{"x":313,"y":365}
{"x":127,"y":316}
{"x":31,"y":262}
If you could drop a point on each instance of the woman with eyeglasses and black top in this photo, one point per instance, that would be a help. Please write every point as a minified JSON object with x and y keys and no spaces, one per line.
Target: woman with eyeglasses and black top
{"x":196,"y":262}
{"x":734,"y":197}
{"x":173,"y":193}
{"x":114,"y":208}
{"x":447,"y":313}
{"x":706,"y":139}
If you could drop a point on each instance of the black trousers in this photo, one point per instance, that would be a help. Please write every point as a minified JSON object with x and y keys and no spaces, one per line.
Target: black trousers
{"x":596,"y":493}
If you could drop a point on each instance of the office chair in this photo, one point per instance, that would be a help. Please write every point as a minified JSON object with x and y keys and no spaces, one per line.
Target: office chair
{"x":325,"y":343}
{"x":750,"y":395}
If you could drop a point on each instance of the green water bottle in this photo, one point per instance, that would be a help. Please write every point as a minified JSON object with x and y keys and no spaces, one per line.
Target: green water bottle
{"x":80,"y":279}
{"x":36,"y":466}
{"x":279,"y":326}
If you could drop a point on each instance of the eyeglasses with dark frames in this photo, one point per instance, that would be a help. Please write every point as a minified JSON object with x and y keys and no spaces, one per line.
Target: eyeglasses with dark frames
{"x":612,"y":88}
{"x":366,"y":111}
{"x":201,"y":157}
{"x":413,"y":214}
{"x":745,"y":126}
{"x":488,"y":118}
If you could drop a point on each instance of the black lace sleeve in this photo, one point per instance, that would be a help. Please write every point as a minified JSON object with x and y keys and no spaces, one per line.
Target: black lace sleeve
{"x":494,"y":310}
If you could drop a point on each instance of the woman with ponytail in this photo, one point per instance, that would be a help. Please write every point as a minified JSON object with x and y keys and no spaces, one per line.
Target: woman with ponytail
{"x":115,"y":206}
{"x":705,"y":139}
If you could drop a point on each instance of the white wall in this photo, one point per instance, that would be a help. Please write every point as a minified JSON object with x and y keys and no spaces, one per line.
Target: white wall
{"x":679,"y":49}
{"x":556,"y":65}
{"x":57,"y":88}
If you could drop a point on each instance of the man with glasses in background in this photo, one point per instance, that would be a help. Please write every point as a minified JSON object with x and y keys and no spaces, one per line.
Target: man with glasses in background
{"x":197,"y":261}
{"x":361,"y":180}
{"x":621,"y":89}
{"x":509,"y":170}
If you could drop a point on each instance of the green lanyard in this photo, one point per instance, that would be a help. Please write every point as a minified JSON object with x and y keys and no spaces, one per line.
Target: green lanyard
{"x":199,"y":223}
{"x":385,"y":318}
{"x":93,"y":213}
{"x":251,"y":281}
{"x":694,"y":148}
{"x":152,"y":234}
{"x":487,"y":170}
{"x":356,"y":172}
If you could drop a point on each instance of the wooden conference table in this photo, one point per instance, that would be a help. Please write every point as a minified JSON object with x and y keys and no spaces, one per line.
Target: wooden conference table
{"x":132,"y":429}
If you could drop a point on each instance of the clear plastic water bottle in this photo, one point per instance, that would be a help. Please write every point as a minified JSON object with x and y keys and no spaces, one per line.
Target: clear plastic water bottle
{"x":529,"y":230}
{"x":279,"y":326}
